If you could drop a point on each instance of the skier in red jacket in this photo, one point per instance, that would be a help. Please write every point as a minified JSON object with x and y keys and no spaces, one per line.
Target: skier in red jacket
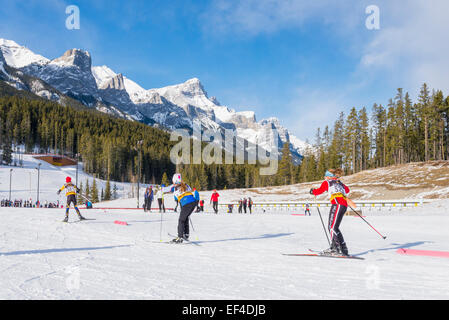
{"x":338,"y":192}
{"x":214,"y":200}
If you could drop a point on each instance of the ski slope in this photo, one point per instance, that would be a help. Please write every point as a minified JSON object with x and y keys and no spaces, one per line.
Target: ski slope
{"x":24,"y":180}
{"x":236,"y":256}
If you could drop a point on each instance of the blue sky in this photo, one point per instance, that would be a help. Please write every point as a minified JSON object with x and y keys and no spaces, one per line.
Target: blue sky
{"x":300,"y":61}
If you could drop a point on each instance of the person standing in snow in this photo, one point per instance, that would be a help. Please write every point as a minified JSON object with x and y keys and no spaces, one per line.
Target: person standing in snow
{"x":338,"y":193}
{"x":148,"y":196}
{"x":245,"y":203}
{"x":240,"y":205}
{"x":160,"y":199}
{"x":250,"y":205}
{"x":186,"y":199}
{"x":214,"y":201}
{"x":70,"y":192}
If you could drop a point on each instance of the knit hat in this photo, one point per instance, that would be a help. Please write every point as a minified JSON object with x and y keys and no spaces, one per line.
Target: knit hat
{"x":329,"y":174}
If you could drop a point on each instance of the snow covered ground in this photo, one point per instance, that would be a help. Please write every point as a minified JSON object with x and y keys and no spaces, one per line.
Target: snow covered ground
{"x":236,"y":256}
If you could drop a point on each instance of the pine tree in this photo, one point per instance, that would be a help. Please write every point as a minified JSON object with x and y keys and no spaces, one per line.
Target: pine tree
{"x":365,"y":141}
{"x":379,"y":124}
{"x":351,"y":141}
{"x":423,"y":110}
{"x":107,"y":192}
{"x":87,"y":190}
{"x":165,"y":179}
{"x":94,"y":192}
{"x":284,"y":169}
{"x":336,"y":148}
{"x":7,"y":153}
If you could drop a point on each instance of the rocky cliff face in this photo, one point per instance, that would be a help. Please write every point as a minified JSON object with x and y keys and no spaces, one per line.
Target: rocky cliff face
{"x":71,"y":74}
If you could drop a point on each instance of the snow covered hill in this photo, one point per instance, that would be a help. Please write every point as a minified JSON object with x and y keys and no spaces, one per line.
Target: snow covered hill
{"x":24,"y":181}
{"x":19,"y":56}
{"x":171,"y":107}
{"x":421,"y":180}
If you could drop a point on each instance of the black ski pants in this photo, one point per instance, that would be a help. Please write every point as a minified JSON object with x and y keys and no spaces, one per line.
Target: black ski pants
{"x":335,"y":217}
{"x":183,"y":222}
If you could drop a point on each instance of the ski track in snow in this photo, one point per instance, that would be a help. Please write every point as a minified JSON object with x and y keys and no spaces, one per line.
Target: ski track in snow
{"x":239,"y":257}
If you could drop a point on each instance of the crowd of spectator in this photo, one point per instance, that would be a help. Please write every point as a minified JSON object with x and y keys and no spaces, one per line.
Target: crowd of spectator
{"x":20,"y":203}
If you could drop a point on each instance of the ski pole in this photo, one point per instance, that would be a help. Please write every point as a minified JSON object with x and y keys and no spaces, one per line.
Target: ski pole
{"x":322,"y":222}
{"x":384,"y":237}
{"x":160,"y":231}
{"x":84,"y":197}
{"x":191,"y":223}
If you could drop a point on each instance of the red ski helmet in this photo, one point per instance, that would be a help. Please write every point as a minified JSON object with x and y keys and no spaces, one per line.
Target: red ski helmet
{"x":68,"y":179}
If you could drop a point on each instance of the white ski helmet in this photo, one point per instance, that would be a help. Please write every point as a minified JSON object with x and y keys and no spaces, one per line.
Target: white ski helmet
{"x":177,"y":178}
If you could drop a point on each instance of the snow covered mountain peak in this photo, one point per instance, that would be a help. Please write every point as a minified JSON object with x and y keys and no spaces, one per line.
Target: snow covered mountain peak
{"x":102,"y":74}
{"x":171,"y":107}
{"x":271,"y":121}
{"x":75,"y":57}
{"x":191,"y":87}
{"x":18,"y":56}
{"x":117,"y":82}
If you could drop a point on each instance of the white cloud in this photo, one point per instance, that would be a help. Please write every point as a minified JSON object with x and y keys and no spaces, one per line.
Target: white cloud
{"x":411,"y":47}
{"x":252,"y":17}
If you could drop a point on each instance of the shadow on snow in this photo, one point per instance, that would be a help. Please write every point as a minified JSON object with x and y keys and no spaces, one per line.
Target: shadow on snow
{"x":42,"y":251}
{"x":395,"y":246}
{"x":263,"y":236}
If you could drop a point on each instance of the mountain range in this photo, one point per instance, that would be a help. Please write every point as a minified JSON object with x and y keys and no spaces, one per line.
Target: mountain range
{"x":72,"y":77}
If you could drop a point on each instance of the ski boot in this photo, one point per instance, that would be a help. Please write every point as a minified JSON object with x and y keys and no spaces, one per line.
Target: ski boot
{"x":66,"y":219}
{"x":343,"y":249}
{"x":332,"y":251}
{"x":177,"y":240}
{"x":186,"y":237}
{"x":81,"y":217}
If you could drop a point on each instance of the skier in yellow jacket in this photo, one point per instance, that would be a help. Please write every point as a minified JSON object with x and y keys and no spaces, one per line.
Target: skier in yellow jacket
{"x":70,"y":192}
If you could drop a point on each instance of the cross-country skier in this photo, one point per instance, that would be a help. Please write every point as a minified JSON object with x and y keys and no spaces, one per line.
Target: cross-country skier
{"x":307,"y":211}
{"x":70,"y":192}
{"x":338,"y":192}
{"x":187,"y":201}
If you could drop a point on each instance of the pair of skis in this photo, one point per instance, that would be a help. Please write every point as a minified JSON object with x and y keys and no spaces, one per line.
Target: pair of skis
{"x":314,"y":253}
{"x":76,"y":221}
{"x":172,"y":242}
